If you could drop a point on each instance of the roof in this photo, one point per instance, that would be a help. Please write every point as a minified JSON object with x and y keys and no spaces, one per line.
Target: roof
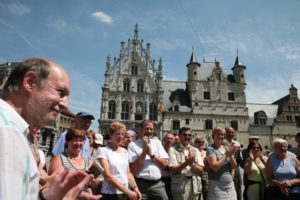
{"x":280,"y":103}
{"x":269,"y":109}
{"x":206,"y":70}
{"x":176,"y":91}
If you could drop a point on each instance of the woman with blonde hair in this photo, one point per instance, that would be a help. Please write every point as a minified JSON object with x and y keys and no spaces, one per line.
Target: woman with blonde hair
{"x":115,"y":161}
{"x":283,"y":171}
{"x":220,"y":163}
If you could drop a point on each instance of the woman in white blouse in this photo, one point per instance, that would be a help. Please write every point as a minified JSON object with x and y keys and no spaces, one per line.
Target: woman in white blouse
{"x":118,"y":181}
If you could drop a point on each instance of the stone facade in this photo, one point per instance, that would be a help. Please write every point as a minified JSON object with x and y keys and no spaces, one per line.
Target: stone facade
{"x":132,"y":88}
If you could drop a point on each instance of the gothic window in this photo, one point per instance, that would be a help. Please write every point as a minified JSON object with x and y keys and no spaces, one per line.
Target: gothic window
{"x":206,"y":95}
{"x":125,"y":110}
{"x":111,"y":109}
{"x":260,"y":118}
{"x":218,"y":76}
{"x":208,"y":124}
{"x":234,"y":124}
{"x":126,"y":85}
{"x":231,"y":96}
{"x":176,"y":124}
{"x":140,"y":86}
{"x":134,"y":70}
{"x":153,"y":112}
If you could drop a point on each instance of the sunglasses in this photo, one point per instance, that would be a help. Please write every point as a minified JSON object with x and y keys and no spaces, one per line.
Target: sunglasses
{"x":187,"y":135}
{"x":255,"y":148}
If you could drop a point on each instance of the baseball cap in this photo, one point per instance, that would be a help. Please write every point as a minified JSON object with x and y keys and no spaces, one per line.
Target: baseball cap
{"x":84,"y":114}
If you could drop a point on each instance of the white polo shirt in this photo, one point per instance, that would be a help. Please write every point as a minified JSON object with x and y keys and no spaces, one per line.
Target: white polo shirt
{"x":150,"y":171}
{"x":19,"y":176}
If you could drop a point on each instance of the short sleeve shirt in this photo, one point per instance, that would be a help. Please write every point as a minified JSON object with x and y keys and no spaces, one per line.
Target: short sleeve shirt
{"x":118,"y":165}
{"x":224,"y":174}
{"x":150,"y":171}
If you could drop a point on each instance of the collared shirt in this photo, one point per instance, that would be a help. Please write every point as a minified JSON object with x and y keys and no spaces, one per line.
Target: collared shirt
{"x":59,"y":147}
{"x":19,"y":176}
{"x":177,"y":156}
{"x":150,"y":170}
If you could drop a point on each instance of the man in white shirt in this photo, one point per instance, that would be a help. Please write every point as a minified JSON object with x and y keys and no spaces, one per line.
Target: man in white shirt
{"x":34,"y":93}
{"x":147,"y":158}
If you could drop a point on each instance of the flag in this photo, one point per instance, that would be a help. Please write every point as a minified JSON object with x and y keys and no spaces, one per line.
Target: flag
{"x":160,"y":109}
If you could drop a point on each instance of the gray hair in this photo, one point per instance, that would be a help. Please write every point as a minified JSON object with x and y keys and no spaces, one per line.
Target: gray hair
{"x":277,"y":141}
{"x":38,"y":65}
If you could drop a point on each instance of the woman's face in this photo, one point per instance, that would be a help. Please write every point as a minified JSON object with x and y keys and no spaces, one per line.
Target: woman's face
{"x":91,"y":139}
{"x":255,"y":149}
{"x":219,"y":137}
{"x":117,"y":137}
{"x":281,"y":149}
{"x":199,"y":143}
{"x":75,"y":144}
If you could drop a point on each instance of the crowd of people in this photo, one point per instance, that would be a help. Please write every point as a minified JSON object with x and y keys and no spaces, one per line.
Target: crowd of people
{"x":128,"y":164}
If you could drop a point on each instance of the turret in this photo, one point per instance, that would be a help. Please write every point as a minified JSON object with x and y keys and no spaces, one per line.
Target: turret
{"x":238,"y":69}
{"x":293,"y":92}
{"x":193,"y":68}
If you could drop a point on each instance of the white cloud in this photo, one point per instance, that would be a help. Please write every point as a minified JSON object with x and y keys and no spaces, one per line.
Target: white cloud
{"x":102,"y":17}
{"x":5,"y":23}
{"x":18,"y":9}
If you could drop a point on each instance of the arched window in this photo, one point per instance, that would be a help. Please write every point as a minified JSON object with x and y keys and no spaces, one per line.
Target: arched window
{"x":140,"y":86}
{"x":134,"y":70}
{"x":153,"y":112}
{"x":125,"y":110}
{"x":126,"y":85}
{"x":111,"y":109}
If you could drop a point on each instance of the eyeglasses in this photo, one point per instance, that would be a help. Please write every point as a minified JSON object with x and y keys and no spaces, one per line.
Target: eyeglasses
{"x":255,"y":148}
{"x":199,"y":142}
{"x":187,"y":135}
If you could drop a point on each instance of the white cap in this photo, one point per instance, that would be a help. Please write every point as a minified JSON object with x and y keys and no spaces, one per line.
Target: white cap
{"x":98,"y":138}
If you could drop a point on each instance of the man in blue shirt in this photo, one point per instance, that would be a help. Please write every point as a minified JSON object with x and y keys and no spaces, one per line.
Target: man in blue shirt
{"x":82,"y":120}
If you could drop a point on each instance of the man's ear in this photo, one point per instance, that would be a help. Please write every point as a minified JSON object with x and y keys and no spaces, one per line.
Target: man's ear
{"x":29,"y":81}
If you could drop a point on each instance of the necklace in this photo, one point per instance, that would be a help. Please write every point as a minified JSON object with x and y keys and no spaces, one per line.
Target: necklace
{"x":72,"y":156}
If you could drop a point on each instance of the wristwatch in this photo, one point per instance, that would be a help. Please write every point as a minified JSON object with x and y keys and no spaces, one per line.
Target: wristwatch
{"x":152,"y":156}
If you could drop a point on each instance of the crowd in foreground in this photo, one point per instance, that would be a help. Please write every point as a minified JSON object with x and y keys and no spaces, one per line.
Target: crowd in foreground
{"x":128,"y":165}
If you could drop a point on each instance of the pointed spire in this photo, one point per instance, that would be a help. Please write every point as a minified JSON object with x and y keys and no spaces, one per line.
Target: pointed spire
{"x":238,"y":61}
{"x":193,"y":57}
{"x":136,"y":31}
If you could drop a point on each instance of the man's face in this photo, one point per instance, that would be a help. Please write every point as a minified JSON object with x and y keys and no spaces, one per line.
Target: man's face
{"x":169,"y":139}
{"x":82,"y":122}
{"x":147,"y":130}
{"x":230,"y":133}
{"x":46,"y":101}
{"x":185,"y":137}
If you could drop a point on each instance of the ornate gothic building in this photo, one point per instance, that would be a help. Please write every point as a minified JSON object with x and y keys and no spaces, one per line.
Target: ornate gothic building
{"x":134,"y":90}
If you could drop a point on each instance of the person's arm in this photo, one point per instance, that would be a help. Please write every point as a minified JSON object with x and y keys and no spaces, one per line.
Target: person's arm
{"x":138,"y":164}
{"x":160,"y":162}
{"x":133,"y":185}
{"x":248,"y":165}
{"x":55,"y":165}
{"x":113,"y":181}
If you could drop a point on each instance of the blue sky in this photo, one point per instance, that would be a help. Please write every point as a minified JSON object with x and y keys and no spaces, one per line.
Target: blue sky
{"x":80,"y":34}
